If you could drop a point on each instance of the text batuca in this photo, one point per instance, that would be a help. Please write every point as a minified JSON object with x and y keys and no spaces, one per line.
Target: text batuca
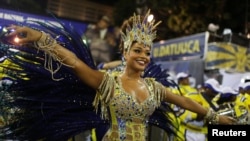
{"x":188,"y":47}
{"x":217,"y":132}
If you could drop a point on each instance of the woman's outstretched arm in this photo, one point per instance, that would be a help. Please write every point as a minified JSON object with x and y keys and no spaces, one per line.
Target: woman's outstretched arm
{"x":191,"y":105}
{"x":88,"y":75}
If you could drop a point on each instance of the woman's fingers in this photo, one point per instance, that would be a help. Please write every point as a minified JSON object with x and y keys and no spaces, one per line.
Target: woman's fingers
{"x":13,"y":30}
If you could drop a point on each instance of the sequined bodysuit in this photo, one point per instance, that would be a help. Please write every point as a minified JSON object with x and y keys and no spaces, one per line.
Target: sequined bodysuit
{"x":128,"y":117}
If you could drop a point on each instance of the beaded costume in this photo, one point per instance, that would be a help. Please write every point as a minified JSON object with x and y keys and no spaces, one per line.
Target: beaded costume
{"x":128,"y":117}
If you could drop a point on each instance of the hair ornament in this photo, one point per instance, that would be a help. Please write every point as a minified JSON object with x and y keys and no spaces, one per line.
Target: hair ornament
{"x":141,"y":31}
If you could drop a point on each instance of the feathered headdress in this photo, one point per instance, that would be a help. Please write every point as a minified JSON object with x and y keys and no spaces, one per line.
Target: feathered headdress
{"x":141,"y":31}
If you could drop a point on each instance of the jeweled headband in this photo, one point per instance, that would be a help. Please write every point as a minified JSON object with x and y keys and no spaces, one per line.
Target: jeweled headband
{"x":141,"y":31}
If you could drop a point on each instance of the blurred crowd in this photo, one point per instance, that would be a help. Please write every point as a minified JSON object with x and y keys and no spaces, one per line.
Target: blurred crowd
{"x":225,"y":100}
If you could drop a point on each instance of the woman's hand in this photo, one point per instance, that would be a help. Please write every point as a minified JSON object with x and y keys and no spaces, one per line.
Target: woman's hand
{"x":226,"y":120}
{"x":24,"y":34}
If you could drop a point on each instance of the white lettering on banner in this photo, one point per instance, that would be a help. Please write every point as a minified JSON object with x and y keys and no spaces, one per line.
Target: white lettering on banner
{"x":13,"y":17}
{"x":1,"y":15}
{"x":34,"y":19}
{"x":187,"y":47}
{"x":18,"y":17}
{"x":31,"y":20}
{"x":216,"y":132}
{"x":55,"y":23}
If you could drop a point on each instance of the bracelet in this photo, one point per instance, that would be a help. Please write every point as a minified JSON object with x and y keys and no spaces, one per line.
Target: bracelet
{"x":45,"y":41}
{"x":47,"y":44}
{"x":212,"y":117}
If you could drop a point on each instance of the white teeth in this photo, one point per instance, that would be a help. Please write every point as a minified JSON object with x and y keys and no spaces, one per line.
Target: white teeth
{"x":141,"y":62}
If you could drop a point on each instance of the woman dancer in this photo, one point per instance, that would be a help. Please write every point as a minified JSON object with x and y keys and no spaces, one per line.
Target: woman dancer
{"x":126,"y":99}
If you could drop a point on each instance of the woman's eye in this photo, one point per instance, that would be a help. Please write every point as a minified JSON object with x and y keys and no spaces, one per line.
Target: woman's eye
{"x":148,"y":54}
{"x":137,"y":51}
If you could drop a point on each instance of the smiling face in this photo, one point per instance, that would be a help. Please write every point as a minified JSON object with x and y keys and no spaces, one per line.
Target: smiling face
{"x":138,"y":57}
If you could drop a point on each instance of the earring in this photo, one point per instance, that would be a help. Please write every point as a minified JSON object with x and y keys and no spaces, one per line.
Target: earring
{"x":142,"y":74}
{"x":124,"y":63}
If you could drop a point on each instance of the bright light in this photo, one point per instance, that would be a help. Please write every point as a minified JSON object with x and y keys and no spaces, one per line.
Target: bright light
{"x":16,"y":39}
{"x":4,"y":29}
{"x":150,"y":17}
{"x":227,"y":31}
{"x":248,"y":36}
{"x":162,"y":41}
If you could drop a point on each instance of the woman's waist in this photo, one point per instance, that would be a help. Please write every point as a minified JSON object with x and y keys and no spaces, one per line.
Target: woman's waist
{"x":135,"y":123}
